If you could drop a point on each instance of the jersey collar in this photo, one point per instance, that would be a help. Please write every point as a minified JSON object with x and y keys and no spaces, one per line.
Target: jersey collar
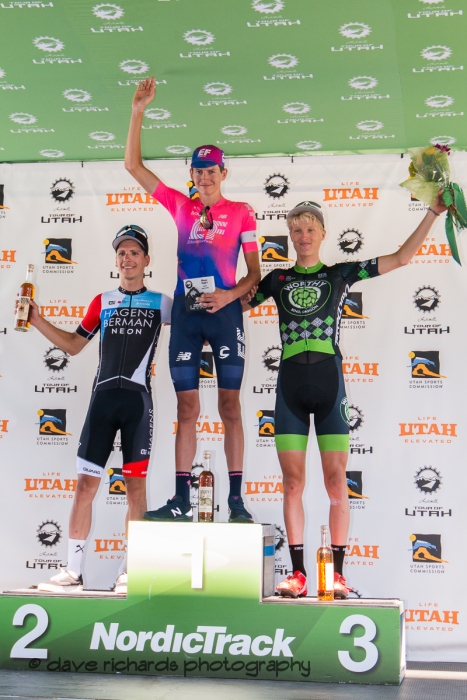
{"x":125,"y":291}
{"x":307,"y":270}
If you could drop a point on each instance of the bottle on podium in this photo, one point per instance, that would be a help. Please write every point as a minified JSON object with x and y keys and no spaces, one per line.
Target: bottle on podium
{"x":325,"y":568}
{"x":26,"y":293}
{"x":206,"y":491}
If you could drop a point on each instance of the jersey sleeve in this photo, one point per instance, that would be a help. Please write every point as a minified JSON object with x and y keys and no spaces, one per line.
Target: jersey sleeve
{"x":92,"y":321}
{"x":166,"y":308}
{"x":248,"y":230}
{"x":264,"y":291}
{"x":171,"y":199}
{"x":353,"y":272}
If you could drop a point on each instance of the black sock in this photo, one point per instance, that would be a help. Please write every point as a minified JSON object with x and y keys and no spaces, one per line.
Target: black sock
{"x":235,"y":484}
{"x":339,"y":554}
{"x":182,"y":485}
{"x":296,"y":554}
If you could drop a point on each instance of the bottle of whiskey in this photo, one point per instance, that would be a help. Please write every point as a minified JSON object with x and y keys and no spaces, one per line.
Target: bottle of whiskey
{"x":206,"y":492}
{"x":325,"y":568}
{"x":26,"y":293}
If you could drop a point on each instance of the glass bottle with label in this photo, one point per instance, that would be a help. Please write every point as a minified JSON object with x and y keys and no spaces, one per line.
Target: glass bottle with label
{"x":325,"y":568}
{"x":26,"y":293}
{"x":206,"y":492}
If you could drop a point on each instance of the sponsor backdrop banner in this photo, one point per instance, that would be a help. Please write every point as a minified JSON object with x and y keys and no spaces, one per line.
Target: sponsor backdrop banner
{"x":69,"y":67}
{"x":402,"y":342}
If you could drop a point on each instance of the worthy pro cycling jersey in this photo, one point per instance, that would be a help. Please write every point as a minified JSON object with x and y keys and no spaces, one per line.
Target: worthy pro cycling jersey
{"x":309,"y":301}
{"x":129,"y":324}
{"x":209,"y":252}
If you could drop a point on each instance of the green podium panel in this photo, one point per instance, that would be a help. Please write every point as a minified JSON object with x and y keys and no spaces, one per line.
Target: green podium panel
{"x":199,"y":603}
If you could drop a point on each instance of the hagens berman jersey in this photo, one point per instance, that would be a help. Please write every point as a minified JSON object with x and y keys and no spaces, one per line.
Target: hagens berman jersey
{"x":310,"y":301}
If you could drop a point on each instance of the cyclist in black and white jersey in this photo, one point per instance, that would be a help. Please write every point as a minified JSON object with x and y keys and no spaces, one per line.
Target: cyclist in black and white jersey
{"x":128,"y":320}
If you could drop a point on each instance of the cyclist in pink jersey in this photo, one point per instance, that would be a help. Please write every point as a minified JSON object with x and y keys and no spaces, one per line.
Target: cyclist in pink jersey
{"x":207,"y":305}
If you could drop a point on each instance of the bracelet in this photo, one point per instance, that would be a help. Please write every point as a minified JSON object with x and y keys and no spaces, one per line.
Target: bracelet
{"x":432,"y":211}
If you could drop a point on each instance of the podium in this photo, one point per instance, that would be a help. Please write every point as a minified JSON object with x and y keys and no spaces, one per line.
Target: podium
{"x":200,"y":603}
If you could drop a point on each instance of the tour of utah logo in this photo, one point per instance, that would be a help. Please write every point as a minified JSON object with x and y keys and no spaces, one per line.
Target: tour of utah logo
{"x":427,"y":300}
{"x":428,"y":483}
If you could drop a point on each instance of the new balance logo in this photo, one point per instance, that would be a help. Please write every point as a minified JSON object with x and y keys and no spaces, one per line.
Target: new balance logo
{"x":176,"y":511}
{"x":183,"y":356}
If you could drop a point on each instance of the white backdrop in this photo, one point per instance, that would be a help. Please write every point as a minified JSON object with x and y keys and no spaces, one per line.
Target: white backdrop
{"x":409,"y":437}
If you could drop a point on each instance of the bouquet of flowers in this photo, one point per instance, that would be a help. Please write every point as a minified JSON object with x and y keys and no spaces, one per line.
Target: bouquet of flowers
{"x":428,"y":174}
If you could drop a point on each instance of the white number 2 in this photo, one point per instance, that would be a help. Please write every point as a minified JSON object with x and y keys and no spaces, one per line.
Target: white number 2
{"x":19,"y":650}
{"x":365,"y":642}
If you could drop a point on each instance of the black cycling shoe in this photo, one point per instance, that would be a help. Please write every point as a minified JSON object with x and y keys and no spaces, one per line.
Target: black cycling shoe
{"x":175,"y":510}
{"x":237,"y":511}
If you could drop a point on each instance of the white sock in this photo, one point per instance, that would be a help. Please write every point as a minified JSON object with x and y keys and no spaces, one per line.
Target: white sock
{"x":75,"y":555}
{"x":122,"y":567}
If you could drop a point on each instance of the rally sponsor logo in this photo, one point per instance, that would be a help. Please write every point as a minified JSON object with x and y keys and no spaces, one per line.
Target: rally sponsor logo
{"x":351,"y":194}
{"x":5,"y":85}
{"x":201,"y":38}
{"x":299,"y":109}
{"x":436,"y":59}
{"x":268,"y":490}
{"x":207,"y":430}
{"x":131,"y":198}
{"x":53,"y":47}
{"x":427,"y":300}
{"x":271,"y":14}
{"x":50,"y":486}
{"x":80,"y":100}
{"x":266,"y":428}
{"x":52,"y":427}
{"x":28,"y":124}
{"x":358,"y":371}
{"x":285,"y":63}
{"x":356,"y":39}
{"x":425,"y":370}
{"x":427,"y":555}
{"x":353,"y":317}
{"x":428,"y":505}
{"x":440,"y":107}
{"x":207,"y":370}
{"x":428,"y":430}
{"x":430,"y":617}
{"x":49,"y":534}
{"x":360,"y":554}
{"x":221,"y":95}
{"x":357,"y":499}
{"x":61,"y":313}
{"x":112,"y":16}
{"x":363,"y":89}
{"x":158,"y":117}
{"x":237,"y":134}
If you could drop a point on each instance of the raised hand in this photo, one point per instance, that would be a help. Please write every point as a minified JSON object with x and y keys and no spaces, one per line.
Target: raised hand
{"x":144,"y":95}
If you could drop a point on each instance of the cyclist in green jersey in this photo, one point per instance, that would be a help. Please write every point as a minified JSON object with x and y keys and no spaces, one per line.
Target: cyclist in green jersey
{"x":310,"y":298}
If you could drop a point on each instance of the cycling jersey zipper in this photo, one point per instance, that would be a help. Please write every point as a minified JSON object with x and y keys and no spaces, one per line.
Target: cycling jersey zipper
{"x":122,"y":357}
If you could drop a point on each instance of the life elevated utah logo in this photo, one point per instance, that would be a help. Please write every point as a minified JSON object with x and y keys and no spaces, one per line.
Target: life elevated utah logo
{"x":305,"y":297}
{"x":350,"y":241}
{"x":58,"y":251}
{"x":352,"y":312}
{"x":265,"y":427}
{"x":425,"y":370}
{"x":355,"y":490}
{"x":426,"y":554}
{"x":52,"y":426}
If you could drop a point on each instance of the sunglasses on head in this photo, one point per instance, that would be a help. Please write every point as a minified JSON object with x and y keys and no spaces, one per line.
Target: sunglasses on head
{"x":205,"y":218}
{"x":130,"y":231}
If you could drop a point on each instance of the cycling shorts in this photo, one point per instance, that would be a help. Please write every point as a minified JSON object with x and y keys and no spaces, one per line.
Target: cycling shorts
{"x":318,"y":389}
{"x":224,"y":332}
{"x":110,"y":410}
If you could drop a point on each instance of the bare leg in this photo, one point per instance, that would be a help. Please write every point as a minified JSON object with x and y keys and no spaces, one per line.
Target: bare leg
{"x":136,"y":497}
{"x":81,"y":512}
{"x":231,"y":416}
{"x":185,"y":441}
{"x":334,"y":465}
{"x":293,"y":469}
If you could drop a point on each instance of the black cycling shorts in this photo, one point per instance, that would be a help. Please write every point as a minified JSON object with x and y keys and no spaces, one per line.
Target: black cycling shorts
{"x":224,"y":332}
{"x":110,"y":410}
{"x":318,"y":389}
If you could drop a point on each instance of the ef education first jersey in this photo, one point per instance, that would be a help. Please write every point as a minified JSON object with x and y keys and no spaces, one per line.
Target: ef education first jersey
{"x":129,"y":325}
{"x":204,"y":252}
{"x":310,"y":301}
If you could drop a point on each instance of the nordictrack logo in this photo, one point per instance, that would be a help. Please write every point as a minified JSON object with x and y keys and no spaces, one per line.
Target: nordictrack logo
{"x":134,"y":66}
{"x":283,"y":60}
{"x":355,"y":30}
{"x":370,"y":125}
{"x":76,"y":95}
{"x":296,"y":108}
{"x":23,"y":118}
{"x":439,"y":101}
{"x":108,"y":11}
{"x":363,"y":82}
{"x":218,"y":89}
{"x":436,"y":53}
{"x":101,"y":136}
{"x":234,"y":130}
{"x":157,"y":113}
{"x":48,"y":43}
{"x":199,"y":37}
{"x":267,"y":8}
{"x":178,"y":150}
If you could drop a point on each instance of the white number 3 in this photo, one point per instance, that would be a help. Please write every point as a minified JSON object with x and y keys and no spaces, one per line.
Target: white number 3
{"x":365,"y":642}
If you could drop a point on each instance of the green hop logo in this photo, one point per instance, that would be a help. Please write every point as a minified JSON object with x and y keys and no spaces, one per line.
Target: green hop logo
{"x":305,"y":297}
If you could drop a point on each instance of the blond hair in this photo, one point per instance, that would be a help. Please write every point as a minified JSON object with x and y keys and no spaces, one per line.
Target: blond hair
{"x":303,"y":216}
